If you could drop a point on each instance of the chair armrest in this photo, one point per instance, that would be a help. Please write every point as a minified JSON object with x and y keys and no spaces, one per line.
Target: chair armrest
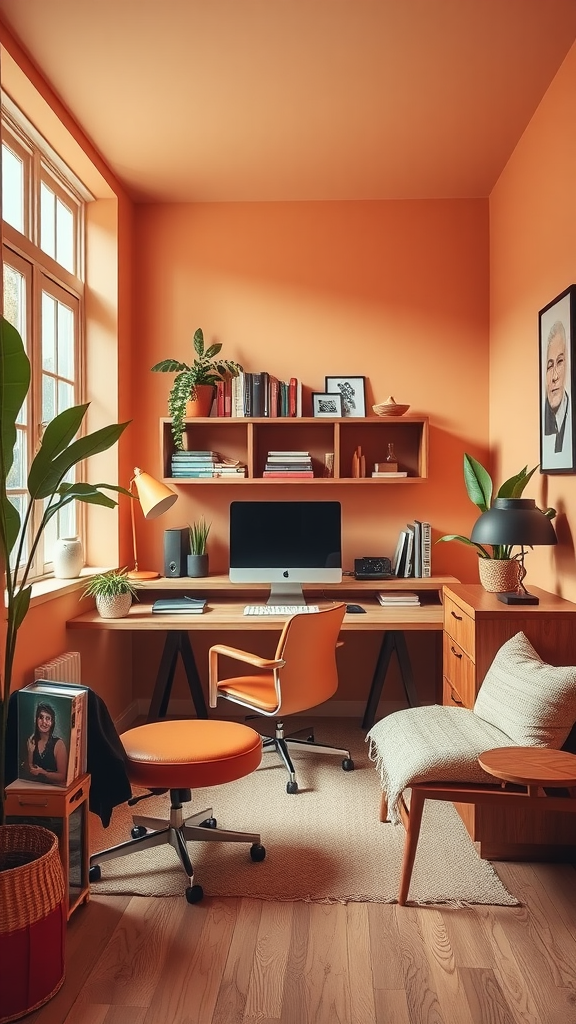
{"x":251,"y":659}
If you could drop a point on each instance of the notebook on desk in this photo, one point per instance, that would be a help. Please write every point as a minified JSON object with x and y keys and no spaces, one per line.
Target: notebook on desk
{"x":179,"y":606}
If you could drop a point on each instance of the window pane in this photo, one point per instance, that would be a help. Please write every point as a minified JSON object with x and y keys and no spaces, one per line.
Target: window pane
{"x":19,"y":502}
{"x":65,"y":395}
{"x":12,"y":189}
{"x":16,"y":478}
{"x":49,"y":314}
{"x":15,"y":310}
{"x":65,"y":341}
{"x":48,"y":398}
{"x":47,"y":220}
{"x":64,"y":236}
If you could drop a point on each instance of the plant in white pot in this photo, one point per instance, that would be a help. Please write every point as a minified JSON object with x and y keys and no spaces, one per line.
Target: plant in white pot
{"x":113,"y":591}
{"x":499,"y":566}
{"x":193,"y":379}
{"x":198,"y":557}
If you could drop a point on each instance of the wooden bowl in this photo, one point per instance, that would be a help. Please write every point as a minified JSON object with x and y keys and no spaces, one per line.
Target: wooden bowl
{"x":390,"y":409}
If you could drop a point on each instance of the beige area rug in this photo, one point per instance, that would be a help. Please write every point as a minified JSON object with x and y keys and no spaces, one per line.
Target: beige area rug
{"x":324,"y":844}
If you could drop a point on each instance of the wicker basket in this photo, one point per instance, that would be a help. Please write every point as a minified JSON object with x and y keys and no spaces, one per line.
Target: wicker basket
{"x":32,"y":919}
{"x":498,"y":574}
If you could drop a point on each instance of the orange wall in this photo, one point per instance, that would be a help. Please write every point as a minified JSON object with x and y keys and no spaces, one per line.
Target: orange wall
{"x":394,"y":291}
{"x":533,"y":259}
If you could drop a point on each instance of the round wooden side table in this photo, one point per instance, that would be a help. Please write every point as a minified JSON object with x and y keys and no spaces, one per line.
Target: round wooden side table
{"x":533,"y":767}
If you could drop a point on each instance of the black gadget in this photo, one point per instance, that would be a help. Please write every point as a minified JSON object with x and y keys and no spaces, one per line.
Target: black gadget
{"x":372,"y":568}
{"x":355,"y":609}
{"x":176,"y":550}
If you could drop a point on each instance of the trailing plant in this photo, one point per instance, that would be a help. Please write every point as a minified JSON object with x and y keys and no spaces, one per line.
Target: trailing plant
{"x":480,"y":488}
{"x":198,"y":536}
{"x":47,"y":491}
{"x":206,"y":369}
{"x":111,"y":584}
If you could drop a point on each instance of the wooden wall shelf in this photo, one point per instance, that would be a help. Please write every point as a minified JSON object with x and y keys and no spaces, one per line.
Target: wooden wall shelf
{"x":249,"y":441}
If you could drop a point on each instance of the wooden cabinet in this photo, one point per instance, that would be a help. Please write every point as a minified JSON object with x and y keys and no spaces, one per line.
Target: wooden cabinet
{"x":476,"y":625}
{"x":250,"y":440}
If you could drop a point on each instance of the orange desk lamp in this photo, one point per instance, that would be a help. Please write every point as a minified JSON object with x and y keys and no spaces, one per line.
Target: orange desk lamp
{"x":155,"y":499}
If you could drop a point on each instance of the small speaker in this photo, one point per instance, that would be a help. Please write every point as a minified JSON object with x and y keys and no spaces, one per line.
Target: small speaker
{"x":176,"y":550}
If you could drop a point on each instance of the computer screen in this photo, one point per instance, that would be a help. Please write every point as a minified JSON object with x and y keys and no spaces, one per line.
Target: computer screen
{"x":286,"y":544}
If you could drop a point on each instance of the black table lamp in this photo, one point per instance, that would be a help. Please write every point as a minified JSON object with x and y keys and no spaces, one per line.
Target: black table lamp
{"x":514,"y":521}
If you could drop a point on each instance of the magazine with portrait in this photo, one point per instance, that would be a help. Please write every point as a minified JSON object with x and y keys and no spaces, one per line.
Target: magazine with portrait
{"x":51,"y":733}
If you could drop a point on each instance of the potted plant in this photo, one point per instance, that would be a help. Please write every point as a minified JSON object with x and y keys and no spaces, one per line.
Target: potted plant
{"x":47,"y":492}
{"x":113,"y":591}
{"x":198,"y":557}
{"x":498,"y":566}
{"x":195,"y":382}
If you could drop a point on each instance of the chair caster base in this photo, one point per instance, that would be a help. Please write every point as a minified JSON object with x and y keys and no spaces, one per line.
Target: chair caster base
{"x":209,"y":823}
{"x":137,"y":831}
{"x":194,"y":893}
{"x":95,"y":873}
{"x":347,"y":764}
{"x":257,"y":852}
{"x":291,"y":787}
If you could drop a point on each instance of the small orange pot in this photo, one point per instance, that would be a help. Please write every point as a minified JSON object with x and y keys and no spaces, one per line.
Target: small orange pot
{"x":202,"y":404}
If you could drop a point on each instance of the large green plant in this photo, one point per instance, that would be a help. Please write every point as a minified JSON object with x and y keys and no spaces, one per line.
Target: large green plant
{"x":206,"y":369}
{"x":480,"y":489}
{"x":57,"y":454}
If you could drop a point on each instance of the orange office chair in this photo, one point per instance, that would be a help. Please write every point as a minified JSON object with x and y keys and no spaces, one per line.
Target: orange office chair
{"x":301,"y":675}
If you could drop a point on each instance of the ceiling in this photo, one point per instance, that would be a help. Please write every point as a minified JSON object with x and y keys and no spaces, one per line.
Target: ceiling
{"x":240,"y":100}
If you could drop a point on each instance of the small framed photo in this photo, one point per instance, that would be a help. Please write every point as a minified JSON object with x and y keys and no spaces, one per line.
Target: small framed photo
{"x":556,"y":333}
{"x":324,"y":404}
{"x":353,"y":393}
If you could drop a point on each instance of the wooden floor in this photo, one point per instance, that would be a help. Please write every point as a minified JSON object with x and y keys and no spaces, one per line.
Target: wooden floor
{"x":226,"y":961}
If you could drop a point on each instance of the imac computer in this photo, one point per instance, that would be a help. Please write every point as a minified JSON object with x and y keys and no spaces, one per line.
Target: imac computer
{"x":285,"y":544}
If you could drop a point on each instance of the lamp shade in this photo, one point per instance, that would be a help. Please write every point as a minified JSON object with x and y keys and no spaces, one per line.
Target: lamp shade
{"x":155,"y":497}
{"x":513,"y":521}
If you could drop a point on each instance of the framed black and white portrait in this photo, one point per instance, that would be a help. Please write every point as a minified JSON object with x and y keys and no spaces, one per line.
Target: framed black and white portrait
{"x":352,"y":391}
{"x":324,"y":404}
{"x":556,"y":343}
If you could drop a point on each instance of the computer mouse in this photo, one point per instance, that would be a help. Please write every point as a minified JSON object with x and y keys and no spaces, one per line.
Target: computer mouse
{"x":355,"y":609}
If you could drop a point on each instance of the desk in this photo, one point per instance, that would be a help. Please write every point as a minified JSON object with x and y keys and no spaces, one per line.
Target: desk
{"x":225,"y":612}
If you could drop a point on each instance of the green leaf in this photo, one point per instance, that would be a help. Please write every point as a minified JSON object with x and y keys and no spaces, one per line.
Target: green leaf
{"x":60,"y":431}
{"x":10,"y":523}
{"x":199,"y":342}
{"x":14,"y":384}
{"x":514,"y":487}
{"x":478,"y":483}
{"x":45,"y":476}
{"x":213,"y":350}
{"x":169,"y":366}
{"x":21,"y":605}
{"x":466,"y":540}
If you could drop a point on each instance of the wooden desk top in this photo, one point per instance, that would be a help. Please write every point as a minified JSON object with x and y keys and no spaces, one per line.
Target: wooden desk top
{"x":219,"y":582}
{"x":225,"y":613}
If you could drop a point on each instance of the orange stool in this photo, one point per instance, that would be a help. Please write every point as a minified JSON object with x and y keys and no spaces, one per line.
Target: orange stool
{"x":181,"y":756}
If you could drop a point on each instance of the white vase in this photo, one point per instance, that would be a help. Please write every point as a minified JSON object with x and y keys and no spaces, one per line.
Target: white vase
{"x":67,"y":558}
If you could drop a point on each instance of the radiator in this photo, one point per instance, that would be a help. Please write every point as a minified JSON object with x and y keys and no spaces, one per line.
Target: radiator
{"x":65,"y":669}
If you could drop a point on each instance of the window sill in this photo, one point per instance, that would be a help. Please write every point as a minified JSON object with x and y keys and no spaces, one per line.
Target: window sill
{"x":50,"y":588}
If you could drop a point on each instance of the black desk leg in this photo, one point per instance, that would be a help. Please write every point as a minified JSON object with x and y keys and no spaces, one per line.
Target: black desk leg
{"x":176,"y":643}
{"x":393,"y":640}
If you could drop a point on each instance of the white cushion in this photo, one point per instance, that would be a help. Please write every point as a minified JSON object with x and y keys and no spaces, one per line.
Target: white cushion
{"x":430,"y":744}
{"x":534,"y":703}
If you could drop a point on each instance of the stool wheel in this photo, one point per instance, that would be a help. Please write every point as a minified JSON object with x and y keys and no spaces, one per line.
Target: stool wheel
{"x":194,"y":893}
{"x":209,"y":823}
{"x":95,"y":873}
{"x":137,"y":831}
{"x":310,"y":738}
{"x":291,"y":787}
{"x":347,"y":764}
{"x":257,"y":852}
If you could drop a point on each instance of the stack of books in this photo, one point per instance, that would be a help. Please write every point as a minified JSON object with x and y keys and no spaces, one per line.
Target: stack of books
{"x":52,"y":732}
{"x":288,"y":465}
{"x":413,"y":555}
{"x":397,"y":597}
{"x":198,"y":465}
{"x":258,"y":395}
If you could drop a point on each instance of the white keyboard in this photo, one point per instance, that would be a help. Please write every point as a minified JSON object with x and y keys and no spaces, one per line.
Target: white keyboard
{"x":279,"y":609}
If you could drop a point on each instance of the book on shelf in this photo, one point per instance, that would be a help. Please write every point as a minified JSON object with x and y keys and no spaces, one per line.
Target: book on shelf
{"x":380,"y":475}
{"x":397,"y":597}
{"x":417,"y":548}
{"x":398,"y":554}
{"x":425,"y":533}
{"x":409,"y":560}
{"x":52,"y":731}
{"x":288,"y":454}
{"x":196,"y":453}
{"x":294,"y":474}
{"x":179,"y":606}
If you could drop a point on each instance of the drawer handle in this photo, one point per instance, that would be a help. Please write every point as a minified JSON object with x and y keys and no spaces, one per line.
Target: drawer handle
{"x":455,"y":653}
{"x":454,"y":701}
{"x":459,"y":617}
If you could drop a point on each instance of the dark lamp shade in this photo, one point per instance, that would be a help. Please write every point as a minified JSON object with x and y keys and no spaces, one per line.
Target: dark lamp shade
{"x":513,"y":521}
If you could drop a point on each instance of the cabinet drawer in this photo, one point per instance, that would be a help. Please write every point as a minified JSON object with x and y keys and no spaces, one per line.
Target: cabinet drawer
{"x":459,"y":672}
{"x":459,"y":625}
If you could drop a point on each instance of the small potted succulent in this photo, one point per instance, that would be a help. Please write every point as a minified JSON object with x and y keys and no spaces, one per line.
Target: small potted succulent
{"x":193,"y":388}
{"x":198,"y":557}
{"x":113,"y":591}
